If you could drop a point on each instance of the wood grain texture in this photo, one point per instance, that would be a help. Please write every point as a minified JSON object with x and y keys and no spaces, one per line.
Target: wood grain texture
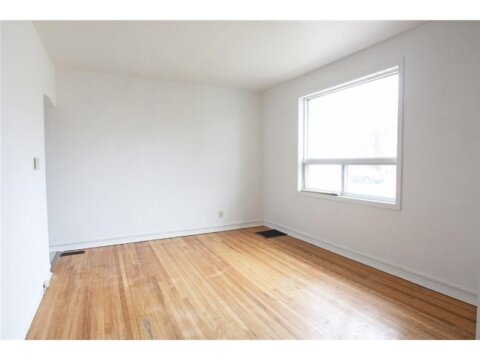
{"x":238,"y":285}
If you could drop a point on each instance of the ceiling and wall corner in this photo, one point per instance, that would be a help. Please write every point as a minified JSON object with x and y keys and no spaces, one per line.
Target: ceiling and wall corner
{"x":253,"y":55}
{"x":134,"y":159}
{"x":282,"y":59}
{"x":435,"y":235}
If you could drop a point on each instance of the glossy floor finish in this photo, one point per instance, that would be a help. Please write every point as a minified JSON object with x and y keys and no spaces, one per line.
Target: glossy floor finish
{"x":238,"y":285}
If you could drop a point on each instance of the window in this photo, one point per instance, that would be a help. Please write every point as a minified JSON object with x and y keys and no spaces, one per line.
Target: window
{"x":349,"y":139}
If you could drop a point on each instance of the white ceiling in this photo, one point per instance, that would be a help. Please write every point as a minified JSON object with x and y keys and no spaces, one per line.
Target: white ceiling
{"x":252,"y":55}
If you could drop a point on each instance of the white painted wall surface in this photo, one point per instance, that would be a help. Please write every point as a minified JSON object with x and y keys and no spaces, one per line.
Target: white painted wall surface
{"x":132,"y":159}
{"x":27,"y":74}
{"x":436,"y":234}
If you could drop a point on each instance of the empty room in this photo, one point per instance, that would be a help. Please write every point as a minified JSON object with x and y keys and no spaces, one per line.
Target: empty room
{"x":228,"y":180}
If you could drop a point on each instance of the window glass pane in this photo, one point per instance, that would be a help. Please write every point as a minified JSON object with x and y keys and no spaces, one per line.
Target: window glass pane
{"x":326,"y":178}
{"x":356,"y":122}
{"x":371,"y":181}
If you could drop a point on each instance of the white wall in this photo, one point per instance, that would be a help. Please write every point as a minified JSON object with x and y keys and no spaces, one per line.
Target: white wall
{"x":132,"y":159}
{"x":435,"y":235}
{"x":27,"y":74}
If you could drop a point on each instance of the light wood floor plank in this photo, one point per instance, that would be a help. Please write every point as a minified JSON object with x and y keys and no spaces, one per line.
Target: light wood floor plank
{"x":238,"y":285}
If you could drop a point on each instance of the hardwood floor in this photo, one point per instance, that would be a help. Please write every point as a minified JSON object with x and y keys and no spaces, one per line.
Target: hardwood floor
{"x":238,"y":285}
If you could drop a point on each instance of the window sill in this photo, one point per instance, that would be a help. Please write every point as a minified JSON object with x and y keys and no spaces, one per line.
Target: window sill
{"x":351,"y":200}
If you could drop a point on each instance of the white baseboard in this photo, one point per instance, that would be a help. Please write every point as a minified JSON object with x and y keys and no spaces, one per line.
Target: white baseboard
{"x":147,"y":237}
{"x":457,"y":292}
{"x":454,"y":291}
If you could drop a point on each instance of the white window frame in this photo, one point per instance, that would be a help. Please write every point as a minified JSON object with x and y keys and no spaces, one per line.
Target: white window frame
{"x":343,"y":196}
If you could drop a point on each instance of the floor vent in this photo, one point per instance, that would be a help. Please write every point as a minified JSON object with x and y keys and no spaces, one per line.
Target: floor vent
{"x":271,"y":233}
{"x":74,"y":252}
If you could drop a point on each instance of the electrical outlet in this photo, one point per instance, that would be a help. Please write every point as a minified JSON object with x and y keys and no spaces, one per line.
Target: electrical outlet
{"x":220,"y":214}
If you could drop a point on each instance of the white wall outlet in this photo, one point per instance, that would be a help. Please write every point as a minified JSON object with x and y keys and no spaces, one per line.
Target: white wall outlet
{"x":220,"y":214}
